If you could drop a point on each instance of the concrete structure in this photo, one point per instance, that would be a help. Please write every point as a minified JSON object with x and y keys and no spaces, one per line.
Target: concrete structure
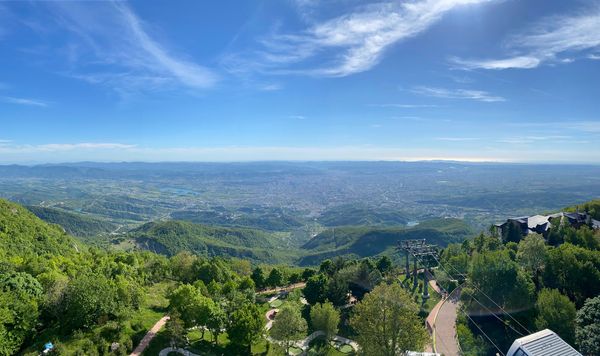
{"x":541,"y":343}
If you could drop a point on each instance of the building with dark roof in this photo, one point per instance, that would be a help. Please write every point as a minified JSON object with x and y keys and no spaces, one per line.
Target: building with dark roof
{"x":541,"y":224}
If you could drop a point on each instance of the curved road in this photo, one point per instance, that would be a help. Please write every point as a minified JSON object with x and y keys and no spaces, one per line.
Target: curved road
{"x":444,"y":326}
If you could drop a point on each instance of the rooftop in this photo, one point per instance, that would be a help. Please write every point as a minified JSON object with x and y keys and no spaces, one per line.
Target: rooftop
{"x":541,"y":343}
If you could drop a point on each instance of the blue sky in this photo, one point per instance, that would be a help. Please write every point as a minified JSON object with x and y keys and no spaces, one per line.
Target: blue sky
{"x":477,"y":80}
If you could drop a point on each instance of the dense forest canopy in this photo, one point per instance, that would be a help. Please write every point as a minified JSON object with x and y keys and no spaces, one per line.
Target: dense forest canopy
{"x":90,"y":300}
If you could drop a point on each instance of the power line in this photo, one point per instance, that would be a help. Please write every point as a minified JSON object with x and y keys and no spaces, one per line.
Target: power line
{"x":484,"y":334}
{"x":423,"y":250}
{"x":488,"y":297}
{"x":485,"y":307}
{"x":467,"y":315}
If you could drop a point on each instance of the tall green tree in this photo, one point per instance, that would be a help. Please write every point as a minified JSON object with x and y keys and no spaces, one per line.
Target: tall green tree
{"x":182,"y":265}
{"x":288,"y":325}
{"x":258,"y":276}
{"x":315,"y":289}
{"x":327,"y":267}
{"x":203,"y":313}
{"x":18,"y":315}
{"x":187,"y":301}
{"x":573,"y":270}
{"x":500,"y":278}
{"x":245,"y":327}
{"x":587,"y":332}
{"x":307,"y":273}
{"x":87,"y":298}
{"x":337,"y":291}
{"x":275,"y":278}
{"x":326,"y":318}
{"x":216,"y":321}
{"x":456,"y":259}
{"x":557,"y":313}
{"x":387,"y":323}
{"x":175,"y":330}
{"x":532,"y":255}
{"x":384,"y":264}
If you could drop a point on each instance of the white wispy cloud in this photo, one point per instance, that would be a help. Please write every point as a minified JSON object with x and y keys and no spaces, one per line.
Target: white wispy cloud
{"x":297,"y":117}
{"x":548,"y":41}
{"x":587,"y":126}
{"x":271,"y":87}
{"x":405,"y":106}
{"x":539,"y":138}
{"x":457,"y":139}
{"x":81,"y":146}
{"x":582,"y":126}
{"x":469,"y":94}
{"x":23,"y":101}
{"x":515,"y":62}
{"x":350,"y":43}
{"x":112,"y":47}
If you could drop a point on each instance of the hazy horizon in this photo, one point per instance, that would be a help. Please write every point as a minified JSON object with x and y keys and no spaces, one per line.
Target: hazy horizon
{"x":275,"y":161}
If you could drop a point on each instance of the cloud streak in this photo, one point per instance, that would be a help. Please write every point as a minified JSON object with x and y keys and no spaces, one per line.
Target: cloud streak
{"x":406,"y":106}
{"x":10,"y":147}
{"x":113,"y":48}
{"x":350,"y":43}
{"x":23,"y":101}
{"x":468,"y":94}
{"x":549,"y":41}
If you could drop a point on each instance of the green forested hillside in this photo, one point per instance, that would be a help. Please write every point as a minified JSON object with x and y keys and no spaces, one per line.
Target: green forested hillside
{"x":171,"y":237}
{"x":74,"y":224}
{"x":23,"y":236}
{"x":269,"y":219}
{"x":51,"y":285}
{"x":345,"y":215}
{"x":370,"y":241}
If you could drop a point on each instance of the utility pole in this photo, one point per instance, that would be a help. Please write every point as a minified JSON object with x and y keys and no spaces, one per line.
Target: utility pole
{"x":421,"y":252}
{"x":408,"y":246}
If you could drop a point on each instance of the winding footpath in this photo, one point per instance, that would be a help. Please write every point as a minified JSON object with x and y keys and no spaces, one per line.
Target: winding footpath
{"x":304,"y":343}
{"x":149,"y":336}
{"x":269,"y":315}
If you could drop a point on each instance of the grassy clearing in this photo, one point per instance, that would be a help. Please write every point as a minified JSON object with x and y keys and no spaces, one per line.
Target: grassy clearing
{"x":128,"y":333}
{"x":276,"y":303}
{"x":346,"y":349}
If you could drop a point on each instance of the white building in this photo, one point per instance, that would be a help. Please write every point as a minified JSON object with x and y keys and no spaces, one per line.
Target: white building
{"x":542,"y":343}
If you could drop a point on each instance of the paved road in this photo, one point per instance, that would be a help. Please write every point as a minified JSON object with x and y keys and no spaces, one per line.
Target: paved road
{"x":430,"y":321}
{"x":149,"y":336}
{"x":280,"y":289}
{"x":445,"y":326}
